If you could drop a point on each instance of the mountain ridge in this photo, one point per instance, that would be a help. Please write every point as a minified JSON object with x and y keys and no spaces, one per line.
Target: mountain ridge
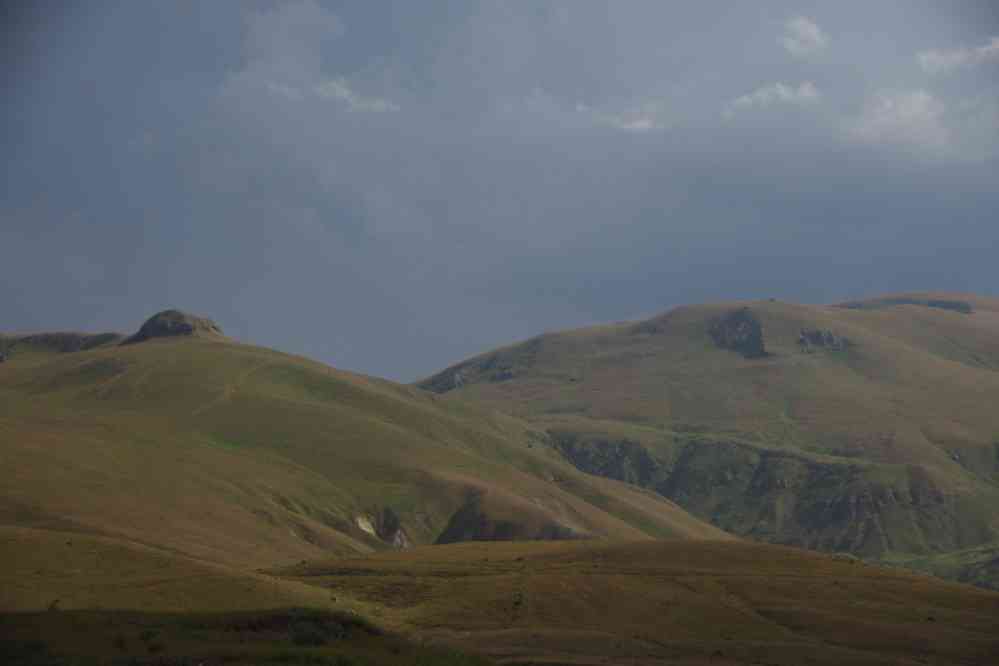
{"x":861,"y":426}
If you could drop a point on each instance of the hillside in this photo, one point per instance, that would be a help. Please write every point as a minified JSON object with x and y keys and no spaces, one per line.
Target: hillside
{"x":77,"y":599}
{"x":178,"y":497}
{"x":666,"y":602}
{"x":245,"y":456}
{"x":867,"y":427}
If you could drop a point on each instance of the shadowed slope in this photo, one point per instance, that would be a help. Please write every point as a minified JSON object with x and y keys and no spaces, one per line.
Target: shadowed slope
{"x":667,"y":602}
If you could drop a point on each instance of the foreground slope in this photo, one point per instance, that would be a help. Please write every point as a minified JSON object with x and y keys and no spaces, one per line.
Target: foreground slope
{"x":868,"y":426}
{"x":248,"y":457}
{"x":70,"y":598}
{"x":666,"y":602}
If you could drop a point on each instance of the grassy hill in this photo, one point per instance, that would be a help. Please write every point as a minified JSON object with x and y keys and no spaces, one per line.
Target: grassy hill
{"x":666,"y":602}
{"x":867,"y":427}
{"x":78,"y":599}
{"x":176,"y":497}
{"x":146,"y":479}
{"x":249,"y":457}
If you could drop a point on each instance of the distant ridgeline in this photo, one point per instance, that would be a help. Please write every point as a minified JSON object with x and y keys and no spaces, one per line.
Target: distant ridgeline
{"x":866,"y":426}
{"x":943,"y":304}
{"x":168,"y":323}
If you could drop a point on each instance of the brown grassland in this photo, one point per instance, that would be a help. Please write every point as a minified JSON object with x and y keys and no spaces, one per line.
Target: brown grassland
{"x":195,"y":500}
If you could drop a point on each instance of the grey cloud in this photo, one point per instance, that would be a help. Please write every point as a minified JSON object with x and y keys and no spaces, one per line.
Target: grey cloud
{"x":803,"y":94}
{"x":946,"y":61}
{"x":803,"y":37}
{"x":392,"y":186}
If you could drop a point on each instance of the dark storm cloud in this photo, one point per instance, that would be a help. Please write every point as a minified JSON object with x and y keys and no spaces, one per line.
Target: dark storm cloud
{"x":391,"y":186}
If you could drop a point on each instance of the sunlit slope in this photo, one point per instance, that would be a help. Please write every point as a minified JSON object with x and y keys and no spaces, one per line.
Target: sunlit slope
{"x":47,"y":569}
{"x":246,"y":456}
{"x":870,"y":427}
{"x":665,"y":602}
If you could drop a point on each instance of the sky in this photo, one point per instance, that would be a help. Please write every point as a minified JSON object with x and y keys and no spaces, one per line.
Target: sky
{"x":392,"y":186}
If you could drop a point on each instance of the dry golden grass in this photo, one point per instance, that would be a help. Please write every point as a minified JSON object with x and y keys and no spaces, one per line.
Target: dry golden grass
{"x":248,"y":457}
{"x":666,"y":602}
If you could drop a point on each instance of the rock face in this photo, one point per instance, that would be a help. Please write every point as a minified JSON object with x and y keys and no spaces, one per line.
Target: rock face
{"x":622,"y":460}
{"x":390,"y":530}
{"x":174,"y":323}
{"x":739,"y":331}
{"x":782,"y":497}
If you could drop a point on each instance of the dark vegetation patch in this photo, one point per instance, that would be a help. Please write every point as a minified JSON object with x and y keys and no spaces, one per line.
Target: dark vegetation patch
{"x":942,"y":304}
{"x":471,"y":522}
{"x":739,"y":331}
{"x":290,"y":636}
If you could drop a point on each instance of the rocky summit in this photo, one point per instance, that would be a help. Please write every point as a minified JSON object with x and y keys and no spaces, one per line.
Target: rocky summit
{"x":174,"y":323}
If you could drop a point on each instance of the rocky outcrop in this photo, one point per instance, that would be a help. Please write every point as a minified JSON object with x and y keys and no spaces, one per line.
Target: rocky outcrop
{"x":783,"y":497}
{"x":623,"y":460}
{"x":389,"y":529}
{"x":739,"y":331}
{"x":813,"y":339}
{"x":386,"y":527}
{"x":174,"y":323}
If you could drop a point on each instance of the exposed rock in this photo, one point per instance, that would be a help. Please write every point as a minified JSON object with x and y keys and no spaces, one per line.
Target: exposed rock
{"x":782,"y":497}
{"x":739,"y":331}
{"x":174,"y":323}
{"x":811,"y":339}
{"x":364,"y":524}
{"x":390,"y":530}
{"x":623,"y":460}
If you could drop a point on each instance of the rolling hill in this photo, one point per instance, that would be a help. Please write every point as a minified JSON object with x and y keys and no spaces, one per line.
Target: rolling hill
{"x":867,"y":426}
{"x":248,"y":457}
{"x":177,"y":497}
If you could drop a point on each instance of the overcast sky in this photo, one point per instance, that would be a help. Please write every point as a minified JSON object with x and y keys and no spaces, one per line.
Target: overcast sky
{"x":392,"y":186}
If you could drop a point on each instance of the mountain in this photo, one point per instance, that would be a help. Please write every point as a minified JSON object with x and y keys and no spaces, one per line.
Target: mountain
{"x":181,"y":438}
{"x":868,"y":426}
{"x":175,"y":496}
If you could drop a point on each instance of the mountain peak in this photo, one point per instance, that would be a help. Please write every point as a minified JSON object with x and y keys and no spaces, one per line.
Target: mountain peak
{"x":174,"y":323}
